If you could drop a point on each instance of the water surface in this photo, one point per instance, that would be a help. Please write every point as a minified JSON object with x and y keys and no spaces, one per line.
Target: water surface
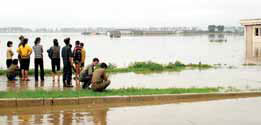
{"x":222,"y":112}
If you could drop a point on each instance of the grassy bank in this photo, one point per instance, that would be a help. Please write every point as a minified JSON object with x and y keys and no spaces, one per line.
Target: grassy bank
{"x":110,"y":92}
{"x":148,"y":67}
{"x":141,"y":67}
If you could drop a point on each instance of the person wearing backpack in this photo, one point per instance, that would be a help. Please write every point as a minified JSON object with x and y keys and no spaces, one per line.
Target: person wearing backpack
{"x":77,"y":58}
{"x":54,"y":55}
{"x":86,"y":74}
{"x":38,"y":59}
{"x":25,"y":52}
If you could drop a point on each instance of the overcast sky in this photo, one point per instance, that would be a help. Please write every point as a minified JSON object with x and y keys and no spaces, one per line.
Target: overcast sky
{"x":125,"y":13}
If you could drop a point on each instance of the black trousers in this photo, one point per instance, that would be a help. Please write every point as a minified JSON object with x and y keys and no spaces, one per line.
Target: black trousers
{"x":38,"y":63}
{"x":86,"y":81}
{"x":9,"y":63}
{"x":67,"y":73}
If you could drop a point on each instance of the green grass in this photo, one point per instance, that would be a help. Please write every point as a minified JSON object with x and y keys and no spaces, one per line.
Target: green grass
{"x":110,"y":92}
{"x":149,"y":67}
{"x":142,"y":67}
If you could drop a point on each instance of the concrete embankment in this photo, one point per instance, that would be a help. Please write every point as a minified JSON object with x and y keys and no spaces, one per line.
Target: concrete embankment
{"x":127,"y":100}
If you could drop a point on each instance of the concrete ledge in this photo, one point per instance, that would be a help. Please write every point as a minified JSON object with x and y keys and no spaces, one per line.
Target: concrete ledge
{"x":165,"y":98}
{"x":8,"y":103}
{"x":29,"y":102}
{"x":65,"y":101}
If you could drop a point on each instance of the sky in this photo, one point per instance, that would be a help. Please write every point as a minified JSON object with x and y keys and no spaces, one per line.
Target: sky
{"x":125,"y":13}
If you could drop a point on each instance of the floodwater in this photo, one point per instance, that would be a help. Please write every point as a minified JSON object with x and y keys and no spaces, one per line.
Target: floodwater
{"x":161,"y":49}
{"x":222,"y":112}
{"x":245,"y":78}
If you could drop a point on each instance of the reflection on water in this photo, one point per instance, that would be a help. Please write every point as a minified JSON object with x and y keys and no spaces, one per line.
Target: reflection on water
{"x":220,"y":37}
{"x":222,"y":112}
{"x":62,"y":115}
{"x":247,"y":77}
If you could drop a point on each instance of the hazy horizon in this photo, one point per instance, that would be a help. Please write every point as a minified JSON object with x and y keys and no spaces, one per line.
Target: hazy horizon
{"x":119,"y":13}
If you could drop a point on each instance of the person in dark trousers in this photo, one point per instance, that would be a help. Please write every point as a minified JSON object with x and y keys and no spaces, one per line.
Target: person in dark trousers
{"x":77,"y":59}
{"x":86,"y":74}
{"x":67,"y":63}
{"x":21,"y":39}
{"x":38,"y":59}
{"x":9,"y":54}
{"x":25,"y":52}
{"x":54,"y":54}
{"x":12,"y":70}
{"x":100,"y":80}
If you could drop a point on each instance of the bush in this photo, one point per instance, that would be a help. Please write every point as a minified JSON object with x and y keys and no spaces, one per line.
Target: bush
{"x":147,"y":65}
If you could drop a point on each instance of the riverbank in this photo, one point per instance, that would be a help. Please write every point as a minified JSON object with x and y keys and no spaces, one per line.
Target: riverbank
{"x":67,"y":93}
{"x":141,"y":67}
{"x":89,"y":101}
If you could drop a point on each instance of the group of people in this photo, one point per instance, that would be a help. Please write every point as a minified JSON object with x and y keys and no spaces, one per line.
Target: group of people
{"x":93,"y":76}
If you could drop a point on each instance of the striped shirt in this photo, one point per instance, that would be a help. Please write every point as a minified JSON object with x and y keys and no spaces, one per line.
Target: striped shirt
{"x":38,"y":51}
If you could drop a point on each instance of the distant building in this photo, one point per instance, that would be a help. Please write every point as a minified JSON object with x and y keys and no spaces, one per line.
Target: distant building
{"x":252,"y":40}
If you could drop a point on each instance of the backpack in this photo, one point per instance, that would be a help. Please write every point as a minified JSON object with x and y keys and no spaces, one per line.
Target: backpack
{"x":77,"y":53}
{"x":49,"y":51}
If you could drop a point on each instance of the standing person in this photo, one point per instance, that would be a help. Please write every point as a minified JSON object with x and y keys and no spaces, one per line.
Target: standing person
{"x":25,"y":52}
{"x":100,"y":80}
{"x":9,"y":54}
{"x":12,"y":70}
{"x":21,"y":39}
{"x":86,"y":74}
{"x":54,"y":52}
{"x":77,"y":58}
{"x":67,"y":63}
{"x":38,"y":59}
{"x":83,"y":56}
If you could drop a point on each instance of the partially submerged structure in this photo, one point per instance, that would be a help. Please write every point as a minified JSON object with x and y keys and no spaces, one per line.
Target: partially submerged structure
{"x":252,"y":40}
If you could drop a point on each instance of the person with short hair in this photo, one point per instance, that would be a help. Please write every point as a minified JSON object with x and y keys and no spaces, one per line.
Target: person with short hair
{"x":12,"y":70}
{"x":25,"y":52}
{"x":67,"y":63}
{"x":55,"y":59}
{"x":38,"y":59}
{"x":21,"y":39}
{"x":83,"y":56}
{"x":77,"y":58}
{"x":86,"y":74}
{"x":9,"y":54}
{"x":100,"y":80}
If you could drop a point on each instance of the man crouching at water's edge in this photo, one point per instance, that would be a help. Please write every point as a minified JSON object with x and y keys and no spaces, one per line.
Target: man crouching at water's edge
{"x":99,"y":79}
{"x":86,"y":74}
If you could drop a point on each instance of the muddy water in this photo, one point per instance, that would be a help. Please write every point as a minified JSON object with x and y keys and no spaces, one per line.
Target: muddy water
{"x":161,"y":49}
{"x":242,"y":78}
{"x":222,"y":112}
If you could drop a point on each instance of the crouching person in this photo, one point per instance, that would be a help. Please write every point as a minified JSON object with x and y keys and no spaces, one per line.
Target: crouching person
{"x":99,"y":79}
{"x":12,"y":71}
{"x":86,"y":74}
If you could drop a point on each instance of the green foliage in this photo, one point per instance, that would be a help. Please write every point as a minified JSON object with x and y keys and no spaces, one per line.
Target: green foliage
{"x":151,"y":66}
{"x":140,"y":67}
{"x":39,"y":93}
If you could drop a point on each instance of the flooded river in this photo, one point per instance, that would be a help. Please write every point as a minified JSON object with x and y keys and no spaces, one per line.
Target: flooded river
{"x":161,"y":49}
{"x":222,"y":112}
